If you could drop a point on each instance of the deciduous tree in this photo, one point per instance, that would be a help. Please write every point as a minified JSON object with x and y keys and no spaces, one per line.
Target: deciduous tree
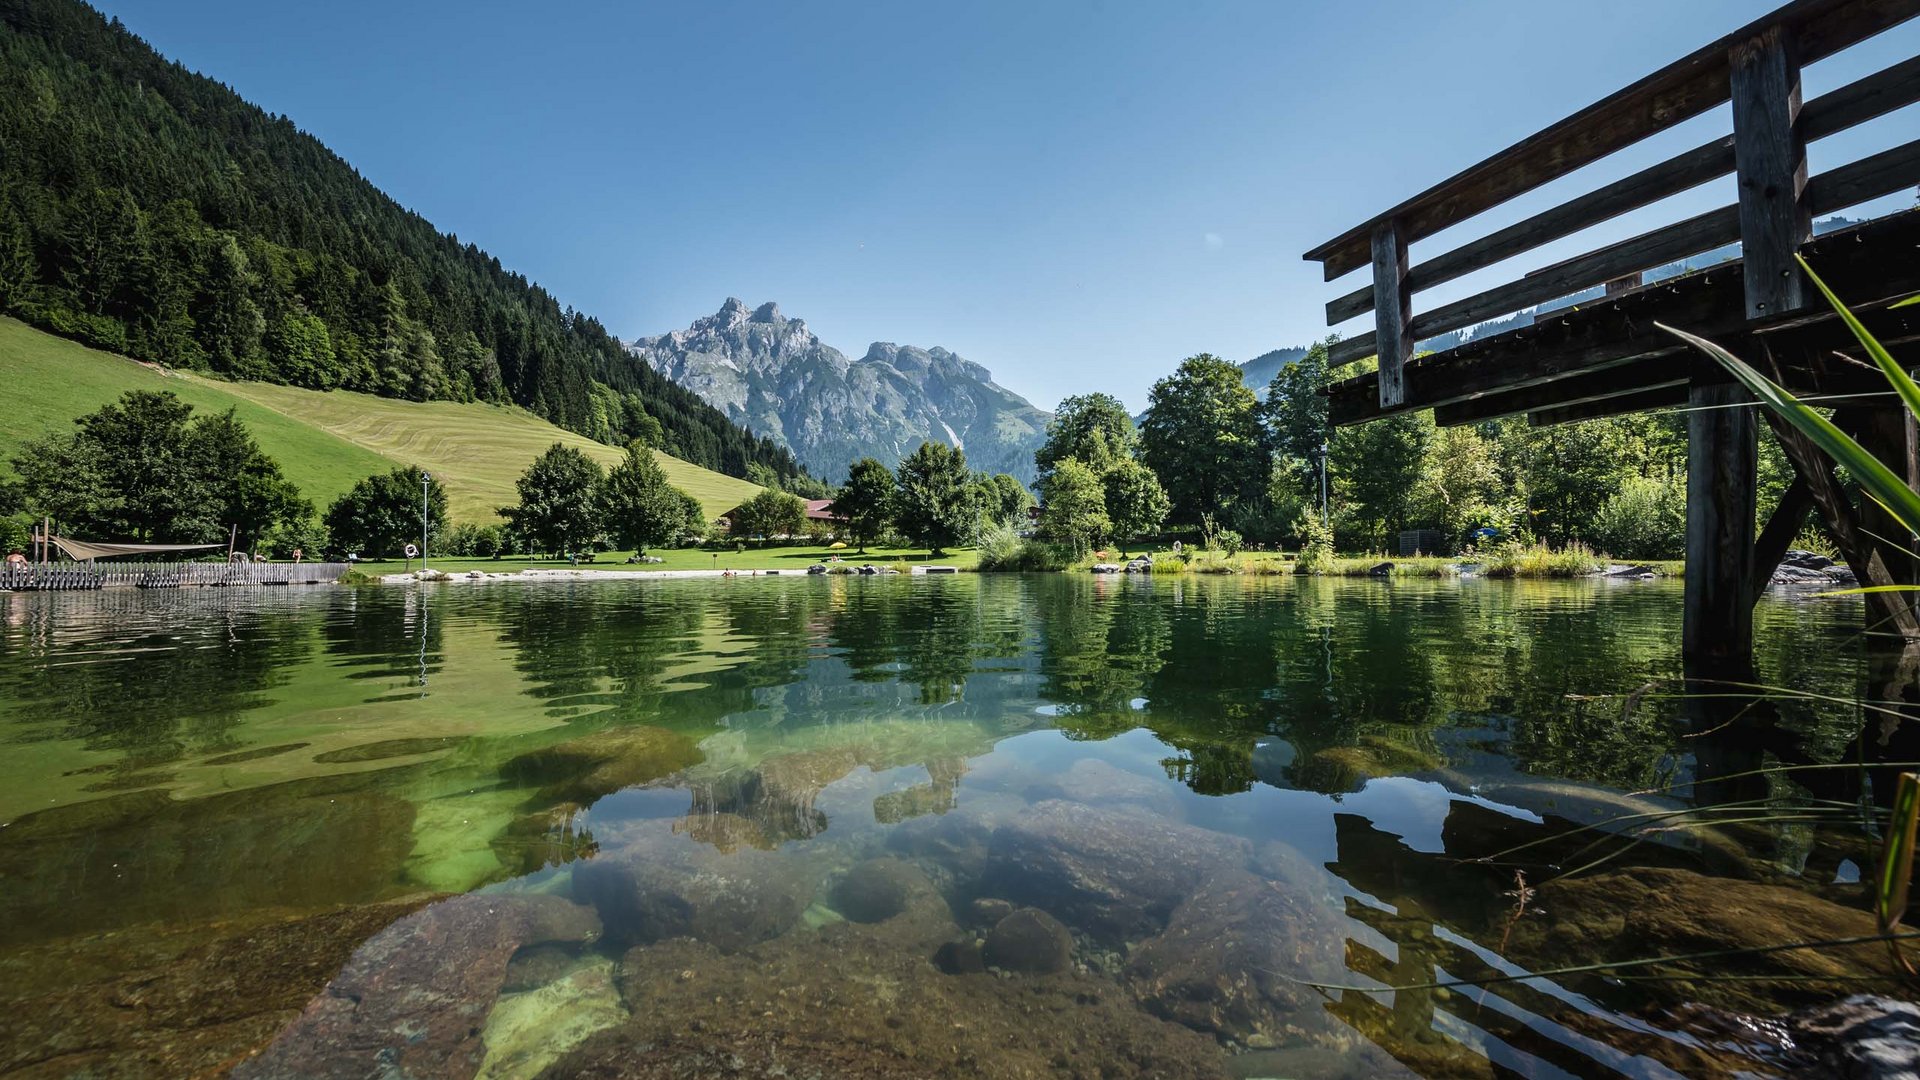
{"x":933,"y":507}
{"x":642,"y":509}
{"x":864,"y":506}
{"x":559,"y":508}
{"x":1201,"y":437}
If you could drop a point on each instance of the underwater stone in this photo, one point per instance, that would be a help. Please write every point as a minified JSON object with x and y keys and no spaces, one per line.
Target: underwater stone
{"x":1029,"y":941}
{"x":1228,"y":960}
{"x":879,"y":889}
{"x":960,"y":958}
{"x":1115,"y":873}
{"x":528,"y":1031}
{"x":537,"y":965}
{"x":989,"y":910}
{"x":417,"y":994}
{"x":665,"y":886}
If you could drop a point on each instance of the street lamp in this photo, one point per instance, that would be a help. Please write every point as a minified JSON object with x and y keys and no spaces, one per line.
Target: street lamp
{"x":426,"y":478}
{"x":1321,"y":457}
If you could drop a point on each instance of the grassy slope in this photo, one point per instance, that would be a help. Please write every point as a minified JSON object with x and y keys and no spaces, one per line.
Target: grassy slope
{"x":323,"y":441}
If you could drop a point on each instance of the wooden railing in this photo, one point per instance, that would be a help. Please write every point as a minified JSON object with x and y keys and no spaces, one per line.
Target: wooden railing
{"x":167,"y":575}
{"x":1757,"y":69}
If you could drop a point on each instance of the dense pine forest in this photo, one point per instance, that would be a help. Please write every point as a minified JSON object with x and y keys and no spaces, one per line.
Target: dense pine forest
{"x":151,"y":211}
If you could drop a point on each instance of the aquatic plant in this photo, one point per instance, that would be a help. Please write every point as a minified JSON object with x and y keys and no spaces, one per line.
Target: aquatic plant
{"x":1516,"y":560}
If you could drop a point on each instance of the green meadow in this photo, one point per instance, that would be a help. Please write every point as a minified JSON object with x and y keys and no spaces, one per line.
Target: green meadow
{"x":324,"y":441}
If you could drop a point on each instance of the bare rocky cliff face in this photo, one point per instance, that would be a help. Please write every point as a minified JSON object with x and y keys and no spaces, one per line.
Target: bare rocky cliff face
{"x":771,"y":374}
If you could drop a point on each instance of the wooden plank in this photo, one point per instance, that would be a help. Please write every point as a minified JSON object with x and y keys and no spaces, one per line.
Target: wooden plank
{"x":1868,"y":178}
{"x":1770,"y":165}
{"x":1681,"y":90}
{"x":1702,"y":232}
{"x":1782,"y":526}
{"x":1850,"y":105}
{"x":1393,"y":312}
{"x":1716,"y":631}
{"x":1627,"y":283}
{"x":1868,"y":264}
{"x":1573,"y":390}
{"x":1679,"y":173}
{"x":1658,"y":397}
{"x":1837,"y":189}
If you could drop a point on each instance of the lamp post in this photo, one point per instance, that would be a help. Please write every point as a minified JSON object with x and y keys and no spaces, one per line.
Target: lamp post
{"x":1323,"y":481}
{"x":426,"y":478}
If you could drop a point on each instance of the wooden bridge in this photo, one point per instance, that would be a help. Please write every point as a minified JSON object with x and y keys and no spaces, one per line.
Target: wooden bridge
{"x":1604,"y":356}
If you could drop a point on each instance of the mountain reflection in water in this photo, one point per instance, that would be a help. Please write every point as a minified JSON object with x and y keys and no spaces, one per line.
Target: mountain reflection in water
{"x":976,"y":825}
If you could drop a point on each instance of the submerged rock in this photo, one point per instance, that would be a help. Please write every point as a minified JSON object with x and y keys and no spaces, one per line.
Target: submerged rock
{"x":528,"y":1031}
{"x":989,"y":910}
{"x":1229,"y":959}
{"x":849,"y":1003}
{"x":1031,"y":942}
{"x":538,"y":965}
{"x":1647,"y":912}
{"x":413,"y":999}
{"x":879,"y":889}
{"x":1112,"y":873}
{"x":664,"y":886}
{"x":173,"y":999}
{"x":962,"y":957}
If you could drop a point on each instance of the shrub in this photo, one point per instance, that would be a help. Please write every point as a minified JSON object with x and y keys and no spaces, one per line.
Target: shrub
{"x":1001,"y":549}
{"x":1515,"y":560}
{"x":1316,"y":544}
{"x":1645,"y":519}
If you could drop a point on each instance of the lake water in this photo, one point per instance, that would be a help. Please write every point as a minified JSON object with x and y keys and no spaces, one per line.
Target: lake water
{"x":966,"y":826}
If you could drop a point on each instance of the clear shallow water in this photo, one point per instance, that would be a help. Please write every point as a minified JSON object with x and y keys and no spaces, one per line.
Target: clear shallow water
{"x":767,"y":827}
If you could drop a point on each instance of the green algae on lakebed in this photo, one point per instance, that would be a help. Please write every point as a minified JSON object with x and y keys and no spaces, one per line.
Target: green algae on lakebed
{"x":671,"y":828}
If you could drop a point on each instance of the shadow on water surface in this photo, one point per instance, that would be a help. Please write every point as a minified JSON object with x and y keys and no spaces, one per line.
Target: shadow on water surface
{"x":967,"y":826}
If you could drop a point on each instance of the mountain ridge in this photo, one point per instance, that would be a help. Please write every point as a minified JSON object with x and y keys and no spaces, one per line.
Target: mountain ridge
{"x":772,"y":375}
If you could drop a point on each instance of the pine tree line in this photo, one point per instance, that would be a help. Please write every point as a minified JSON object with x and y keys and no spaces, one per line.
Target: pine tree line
{"x":152,"y":211}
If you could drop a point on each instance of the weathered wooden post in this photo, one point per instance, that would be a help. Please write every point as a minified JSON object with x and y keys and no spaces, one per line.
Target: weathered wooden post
{"x":1392,"y":310}
{"x":1770,"y":165}
{"x":1717,"y":628}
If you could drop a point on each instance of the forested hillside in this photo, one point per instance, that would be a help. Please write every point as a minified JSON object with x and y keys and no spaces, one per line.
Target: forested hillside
{"x":151,"y":211}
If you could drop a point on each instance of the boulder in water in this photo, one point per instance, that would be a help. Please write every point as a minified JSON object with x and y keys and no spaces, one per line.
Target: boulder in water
{"x":667,"y":886}
{"x":1030,"y":942}
{"x":417,"y":995}
{"x":879,"y":889}
{"x":1116,"y":874}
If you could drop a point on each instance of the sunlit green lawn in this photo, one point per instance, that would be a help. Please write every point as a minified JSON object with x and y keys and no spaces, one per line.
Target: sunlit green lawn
{"x":796,"y":558}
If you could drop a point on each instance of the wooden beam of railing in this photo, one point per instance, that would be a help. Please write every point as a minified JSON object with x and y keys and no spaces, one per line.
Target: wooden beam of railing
{"x":1394,"y":313}
{"x":1770,"y":162}
{"x":1677,"y":92}
{"x":1837,"y":189}
{"x":1573,"y":390}
{"x":1829,"y":114}
{"x":1658,"y":397}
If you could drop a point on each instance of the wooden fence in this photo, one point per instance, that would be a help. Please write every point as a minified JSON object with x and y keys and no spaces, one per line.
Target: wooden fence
{"x":167,"y":575}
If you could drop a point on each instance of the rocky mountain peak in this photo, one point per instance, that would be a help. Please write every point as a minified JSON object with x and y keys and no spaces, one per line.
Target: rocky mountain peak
{"x":772,"y":375}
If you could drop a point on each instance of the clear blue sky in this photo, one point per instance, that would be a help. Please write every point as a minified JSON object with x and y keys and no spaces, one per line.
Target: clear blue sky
{"x":1076,"y":195}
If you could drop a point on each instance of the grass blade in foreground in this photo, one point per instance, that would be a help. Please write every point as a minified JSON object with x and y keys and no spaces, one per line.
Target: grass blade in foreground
{"x":1896,"y":864}
{"x":1902,"y":382}
{"x":1873,"y":475}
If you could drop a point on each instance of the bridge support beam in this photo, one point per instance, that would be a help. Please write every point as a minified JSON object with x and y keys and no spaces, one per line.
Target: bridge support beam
{"x":1722,"y":447}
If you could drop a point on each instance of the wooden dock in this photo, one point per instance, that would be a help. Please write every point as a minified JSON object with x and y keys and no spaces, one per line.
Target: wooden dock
{"x":47,"y":577}
{"x":1604,"y":356}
